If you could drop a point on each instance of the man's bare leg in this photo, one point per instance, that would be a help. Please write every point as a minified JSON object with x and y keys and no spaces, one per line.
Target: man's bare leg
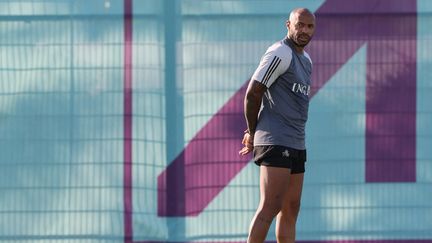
{"x":287,"y":217}
{"x":273,"y":189}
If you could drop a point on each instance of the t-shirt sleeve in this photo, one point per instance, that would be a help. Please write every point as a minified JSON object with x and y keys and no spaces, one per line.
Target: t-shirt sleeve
{"x":274,"y":63}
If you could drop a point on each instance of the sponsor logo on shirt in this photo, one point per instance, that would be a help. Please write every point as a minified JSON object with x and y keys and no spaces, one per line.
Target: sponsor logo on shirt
{"x":301,"y":88}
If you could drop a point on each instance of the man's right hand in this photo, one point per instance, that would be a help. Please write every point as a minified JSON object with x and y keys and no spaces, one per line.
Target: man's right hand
{"x":248,"y":144}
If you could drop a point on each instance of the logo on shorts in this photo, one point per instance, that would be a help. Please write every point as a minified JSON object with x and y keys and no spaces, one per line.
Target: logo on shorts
{"x":285,"y":153}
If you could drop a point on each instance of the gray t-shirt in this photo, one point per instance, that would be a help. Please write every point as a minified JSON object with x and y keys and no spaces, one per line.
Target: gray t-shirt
{"x":284,"y":110}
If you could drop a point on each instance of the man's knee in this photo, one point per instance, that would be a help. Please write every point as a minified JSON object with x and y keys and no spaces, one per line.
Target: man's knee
{"x":294,"y":206}
{"x":269,"y":210}
{"x":291,"y":209}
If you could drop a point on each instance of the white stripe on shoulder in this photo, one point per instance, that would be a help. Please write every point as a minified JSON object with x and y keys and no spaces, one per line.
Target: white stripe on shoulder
{"x":273,"y":63}
{"x":282,"y":50}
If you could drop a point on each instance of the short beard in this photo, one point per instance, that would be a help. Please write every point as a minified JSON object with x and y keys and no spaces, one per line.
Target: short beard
{"x":295,"y":42}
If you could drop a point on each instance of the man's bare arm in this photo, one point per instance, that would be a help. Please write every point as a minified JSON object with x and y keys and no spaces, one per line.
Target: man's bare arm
{"x":252,"y":104}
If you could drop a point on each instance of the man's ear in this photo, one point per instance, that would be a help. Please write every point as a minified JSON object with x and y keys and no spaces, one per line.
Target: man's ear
{"x":287,"y":23}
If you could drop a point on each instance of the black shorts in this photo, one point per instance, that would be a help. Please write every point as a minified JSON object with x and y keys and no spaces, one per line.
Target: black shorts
{"x":280,"y":156}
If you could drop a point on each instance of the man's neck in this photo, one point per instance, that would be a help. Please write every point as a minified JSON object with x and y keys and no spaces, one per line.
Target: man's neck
{"x":297,"y":48}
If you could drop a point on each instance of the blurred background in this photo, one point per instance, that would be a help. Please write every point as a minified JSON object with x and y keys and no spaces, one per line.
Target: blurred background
{"x":121,"y":120}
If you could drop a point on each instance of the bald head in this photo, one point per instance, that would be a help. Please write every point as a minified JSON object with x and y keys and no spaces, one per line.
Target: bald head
{"x":301,"y":26}
{"x":300,"y":11}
